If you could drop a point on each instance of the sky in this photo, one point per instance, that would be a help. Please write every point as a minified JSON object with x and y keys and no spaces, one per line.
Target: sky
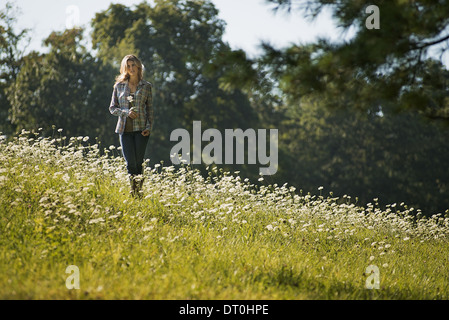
{"x":248,"y":22}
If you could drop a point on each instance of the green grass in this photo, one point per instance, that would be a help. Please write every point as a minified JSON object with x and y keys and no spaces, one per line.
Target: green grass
{"x":63,"y":204}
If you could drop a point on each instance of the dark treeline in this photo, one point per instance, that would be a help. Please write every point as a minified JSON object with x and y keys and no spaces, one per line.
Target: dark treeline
{"x":342,"y":123}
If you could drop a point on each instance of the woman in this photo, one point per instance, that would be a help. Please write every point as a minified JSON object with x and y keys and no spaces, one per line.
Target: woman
{"x":132,"y":102}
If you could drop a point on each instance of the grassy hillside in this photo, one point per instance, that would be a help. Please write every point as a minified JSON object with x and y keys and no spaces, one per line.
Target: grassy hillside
{"x":64,"y":204}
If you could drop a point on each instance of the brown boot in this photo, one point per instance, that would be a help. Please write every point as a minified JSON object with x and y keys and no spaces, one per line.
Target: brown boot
{"x":133,"y":185}
{"x":139,"y":184}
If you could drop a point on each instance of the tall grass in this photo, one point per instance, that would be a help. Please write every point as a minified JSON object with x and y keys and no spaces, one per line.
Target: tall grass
{"x":63,"y":202}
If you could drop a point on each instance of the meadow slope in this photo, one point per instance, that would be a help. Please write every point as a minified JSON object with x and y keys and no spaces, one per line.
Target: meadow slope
{"x":64,"y":203}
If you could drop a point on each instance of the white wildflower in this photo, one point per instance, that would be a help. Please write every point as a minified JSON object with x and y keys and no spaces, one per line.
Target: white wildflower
{"x":92,"y":221}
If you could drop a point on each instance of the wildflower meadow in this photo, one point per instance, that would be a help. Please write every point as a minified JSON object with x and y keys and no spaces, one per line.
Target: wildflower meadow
{"x":65,"y":202}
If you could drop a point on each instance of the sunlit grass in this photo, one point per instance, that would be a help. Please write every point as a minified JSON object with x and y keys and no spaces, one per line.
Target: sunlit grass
{"x":63,"y":203}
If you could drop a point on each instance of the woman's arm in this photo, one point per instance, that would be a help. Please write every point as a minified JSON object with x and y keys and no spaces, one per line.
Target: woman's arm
{"x":114,"y":107}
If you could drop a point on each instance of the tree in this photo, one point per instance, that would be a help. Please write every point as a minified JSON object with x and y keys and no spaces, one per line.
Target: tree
{"x":395,"y":158}
{"x":391,"y":65}
{"x":12,"y":49}
{"x":59,"y":88}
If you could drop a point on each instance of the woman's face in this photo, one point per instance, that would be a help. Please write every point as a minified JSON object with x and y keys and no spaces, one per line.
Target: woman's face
{"x":132,"y":68}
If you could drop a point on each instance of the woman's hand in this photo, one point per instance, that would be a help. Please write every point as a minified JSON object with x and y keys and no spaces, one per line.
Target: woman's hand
{"x":132,"y":114}
{"x":146,"y":133}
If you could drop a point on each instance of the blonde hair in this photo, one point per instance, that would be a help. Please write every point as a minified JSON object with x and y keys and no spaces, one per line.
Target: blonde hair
{"x":124,"y":75}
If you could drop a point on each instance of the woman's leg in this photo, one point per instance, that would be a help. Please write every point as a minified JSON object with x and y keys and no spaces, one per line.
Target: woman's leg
{"x":133,"y":149}
{"x":129,"y":152}
{"x":140,"y":147}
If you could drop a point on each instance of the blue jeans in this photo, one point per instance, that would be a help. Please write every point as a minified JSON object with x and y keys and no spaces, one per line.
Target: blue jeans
{"x":133,"y":146}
